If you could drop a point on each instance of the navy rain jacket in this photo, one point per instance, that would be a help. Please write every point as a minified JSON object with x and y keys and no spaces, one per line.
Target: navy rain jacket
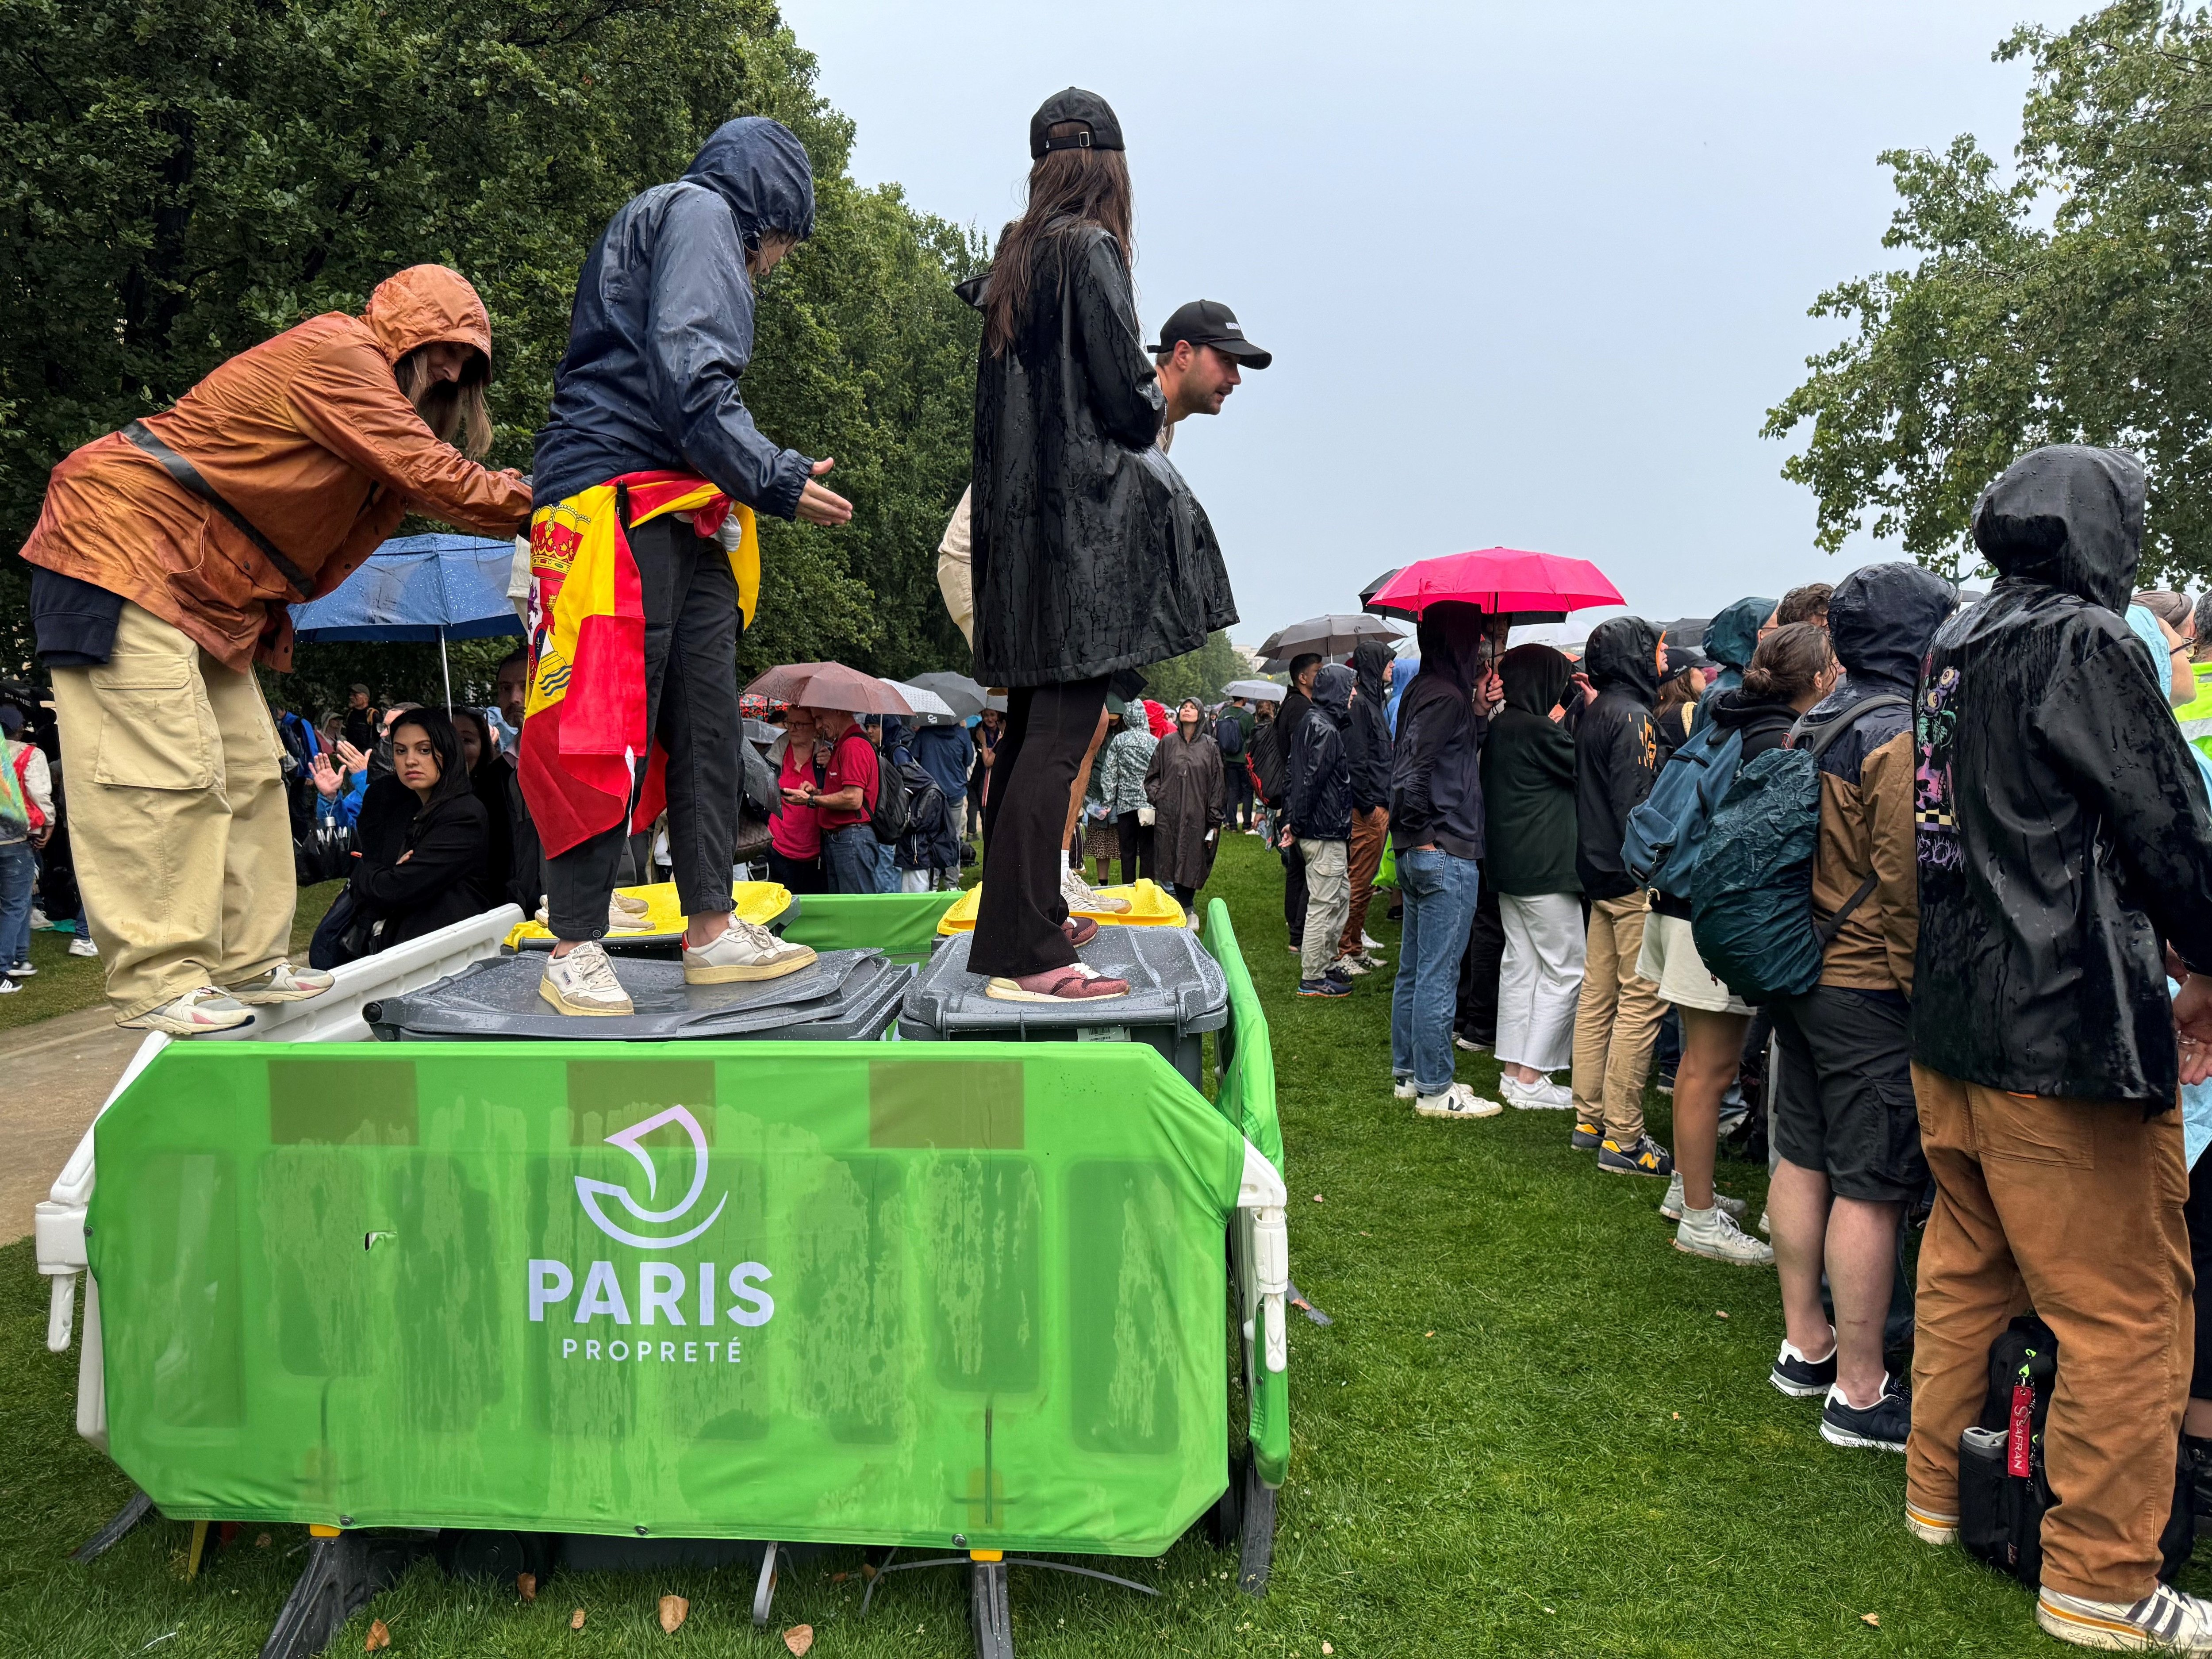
{"x":662,"y":328}
{"x":1319,"y":787}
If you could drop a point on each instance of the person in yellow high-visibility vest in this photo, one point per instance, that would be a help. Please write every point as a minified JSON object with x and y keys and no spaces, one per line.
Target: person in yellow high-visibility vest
{"x":2195,"y":717}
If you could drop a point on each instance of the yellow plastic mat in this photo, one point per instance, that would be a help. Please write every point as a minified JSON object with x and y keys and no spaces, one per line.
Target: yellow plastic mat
{"x":1150,"y":906}
{"x":758,"y":902}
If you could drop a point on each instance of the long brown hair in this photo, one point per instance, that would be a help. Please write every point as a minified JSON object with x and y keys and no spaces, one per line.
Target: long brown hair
{"x":1789,"y":663}
{"x":1090,"y":186}
{"x":453,"y":410}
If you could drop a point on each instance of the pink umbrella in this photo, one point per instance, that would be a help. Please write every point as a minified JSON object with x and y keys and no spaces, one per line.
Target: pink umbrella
{"x":828,"y":686}
{"x":1502,"y":580}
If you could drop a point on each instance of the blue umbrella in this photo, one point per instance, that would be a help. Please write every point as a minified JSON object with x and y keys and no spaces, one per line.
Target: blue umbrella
{"x":420,"y":588}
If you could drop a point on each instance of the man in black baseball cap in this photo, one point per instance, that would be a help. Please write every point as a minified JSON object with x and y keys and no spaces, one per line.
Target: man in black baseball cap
{"x":1202,"y":352}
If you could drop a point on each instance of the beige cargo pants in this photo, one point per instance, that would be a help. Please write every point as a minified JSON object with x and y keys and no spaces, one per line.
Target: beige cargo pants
{"x":177,"y":816}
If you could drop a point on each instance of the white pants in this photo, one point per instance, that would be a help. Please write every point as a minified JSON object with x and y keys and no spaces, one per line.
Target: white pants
{"x":914,"y":881}
{"x":1541,"y":980}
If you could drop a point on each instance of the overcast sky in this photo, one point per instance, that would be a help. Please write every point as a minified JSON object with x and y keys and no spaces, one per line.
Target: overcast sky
{"x":1532,"y":274}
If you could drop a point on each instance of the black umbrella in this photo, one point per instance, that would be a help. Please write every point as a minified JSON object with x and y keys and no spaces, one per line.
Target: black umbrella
{"x":962,"y":694}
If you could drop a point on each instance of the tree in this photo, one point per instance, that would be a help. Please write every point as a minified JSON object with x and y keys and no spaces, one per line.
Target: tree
{"x":181,"y":178}
{"x":1200,"y":673}
{"x":2007,"y":334}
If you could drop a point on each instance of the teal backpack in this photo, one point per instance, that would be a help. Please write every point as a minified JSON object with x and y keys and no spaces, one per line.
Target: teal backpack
{"x":1752,"y":914}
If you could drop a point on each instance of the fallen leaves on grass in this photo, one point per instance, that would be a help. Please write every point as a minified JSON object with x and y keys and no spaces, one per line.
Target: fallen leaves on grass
{"x":263,"y":1542}
{"x":1678,"y":1417}
{"x":1327,"y":1650}
{"x":576,"y":1620}
{"x":1720,"y":1313}
{"x":378,"y":1637}
{"x":1316,"y":1198}
{"x":1428,"y":1333}
{"x":1873,"y":1618}
{"x":674,"y":1609}
{"x":525,"y":1585}
{"x":798,"y":1638}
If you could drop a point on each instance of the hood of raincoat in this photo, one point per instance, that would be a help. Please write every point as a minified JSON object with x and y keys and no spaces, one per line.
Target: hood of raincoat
{"x":1332,"y":692}
{"x":1535,"y":678}
{"x":1451,"y":633}
{"x":1732,"y":636}
{"x":761,"y":169}
{"x":2070,"y":516}
{"x":1880,"y":620}
{"x":1368,"y":659}
{"x":422,"y":305}
{"x":1622,"y":655}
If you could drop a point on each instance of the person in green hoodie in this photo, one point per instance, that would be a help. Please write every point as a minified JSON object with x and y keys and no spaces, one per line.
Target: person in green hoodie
{"x":1528,"y":797}
{"x":1730,"y":638}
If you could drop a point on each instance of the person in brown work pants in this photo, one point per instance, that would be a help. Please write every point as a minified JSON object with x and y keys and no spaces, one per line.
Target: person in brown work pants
{"x":2073,"y":1207}
{"x":1616,"y":1023}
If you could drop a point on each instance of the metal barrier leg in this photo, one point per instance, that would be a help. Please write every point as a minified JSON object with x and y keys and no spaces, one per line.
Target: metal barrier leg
{"x":987,"y":1603}
{"x":764,"y":1590}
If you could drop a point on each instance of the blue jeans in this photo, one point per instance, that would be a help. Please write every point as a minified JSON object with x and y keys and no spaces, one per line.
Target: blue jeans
{"x":18,"y":864}
{"x":887,"y":875}
{"x":1440,"y":892}
{"x":849,"y":859}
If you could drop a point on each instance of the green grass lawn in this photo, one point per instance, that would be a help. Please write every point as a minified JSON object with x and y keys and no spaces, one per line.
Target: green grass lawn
{"x":1530,"y":1431}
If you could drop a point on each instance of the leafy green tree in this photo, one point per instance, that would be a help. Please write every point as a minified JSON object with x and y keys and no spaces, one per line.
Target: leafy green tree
{"x":1200,"y":673}
{"x":181,"y":178}
{"x":2069,"y":303}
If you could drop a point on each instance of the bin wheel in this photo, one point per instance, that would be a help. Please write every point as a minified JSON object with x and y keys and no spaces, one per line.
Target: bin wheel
{"x":1255,"y":1526}
{"x":764,"y":1587}
{"x":987,"y":1606}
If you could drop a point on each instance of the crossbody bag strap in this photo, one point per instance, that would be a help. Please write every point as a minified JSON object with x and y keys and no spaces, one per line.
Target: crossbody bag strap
{"x":189,"y":477}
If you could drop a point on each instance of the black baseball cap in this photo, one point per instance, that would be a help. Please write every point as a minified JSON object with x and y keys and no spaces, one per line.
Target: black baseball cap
{"x":1210,"y":323}
{"x":1100,"y":130}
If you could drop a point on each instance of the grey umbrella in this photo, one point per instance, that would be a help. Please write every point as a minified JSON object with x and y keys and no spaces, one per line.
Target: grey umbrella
{"x":1327,"y":636}
{"x":962,"y":694}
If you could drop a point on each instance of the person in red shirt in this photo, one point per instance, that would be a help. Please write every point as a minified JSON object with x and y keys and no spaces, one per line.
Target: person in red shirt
{"x":845,"y":803}
{"x":794,"y":831}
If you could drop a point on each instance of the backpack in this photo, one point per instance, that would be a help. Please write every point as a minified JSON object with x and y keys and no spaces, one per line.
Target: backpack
{"x":1268,"y":765}
{"x":1752,"y":914}
{"x":1666,"y":830}
{"x":1229,"y":737}
{"x":2002,"y":1489}
{"x":907,"y":800}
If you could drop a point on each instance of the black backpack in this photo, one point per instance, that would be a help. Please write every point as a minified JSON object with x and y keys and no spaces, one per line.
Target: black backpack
{"x":2002,"y":1489}
{"x":1269,"y":766}
{"x":1229,"y":737}
{"x":907,"y":798}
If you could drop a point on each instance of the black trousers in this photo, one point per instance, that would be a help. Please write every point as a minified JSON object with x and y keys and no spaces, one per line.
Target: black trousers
{"x":1476,"y":1018}
{"x":2197,"y":1213}
{"x":1239,"y":805}
{"x":800,"y":875}
{"x":1136,"y":843}
{"x":1294,"y":895}
{"x":691,"y":627}
{"x":1049,"y":731}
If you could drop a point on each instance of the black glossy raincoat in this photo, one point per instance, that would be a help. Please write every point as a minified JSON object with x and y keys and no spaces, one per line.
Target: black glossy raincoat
{"x":1367,"y":738}
{"x":1089,"y":552}
{"x":1616,"y":749}
{"x":1528,"y":778}
{"x":2063,"y":828}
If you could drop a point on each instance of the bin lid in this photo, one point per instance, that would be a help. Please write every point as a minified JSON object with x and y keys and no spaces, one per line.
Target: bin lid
{"x":1172,"y":981}
{"x":862,"y":1011}
{"x":498,"y":998}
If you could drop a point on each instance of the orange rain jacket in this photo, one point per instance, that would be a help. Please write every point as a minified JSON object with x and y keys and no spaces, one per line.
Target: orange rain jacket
{"x":307,"y":437}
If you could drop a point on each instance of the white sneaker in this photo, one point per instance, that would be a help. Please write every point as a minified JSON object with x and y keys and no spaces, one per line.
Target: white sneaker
{"x":1402,"y":1088}
{"x":192,"y":1014}
{"x":1367,"y":942}
{"x":2165,"y":1621}
{"x":82,"y":945}
{"x":8,"y":987}
{"x":1939,"y":1530}
{"x":1457,"y":1101}
{"x":282,"y":984}
{"x":1765,"y":1225}
{"x":1350,"y":966}
{"x":1671,"y":1206}
{"x":38,"y":922}
{"x":584,"y":983}
{"x":1086,"y":900}
{"x":744,"y":951}
{"x":1542,"y":1095}
{"x":1714,"y":1235}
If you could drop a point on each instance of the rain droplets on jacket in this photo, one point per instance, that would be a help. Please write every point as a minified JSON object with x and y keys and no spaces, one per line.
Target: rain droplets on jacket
{"x":2063,"y":827}
{"x":662,"y":328}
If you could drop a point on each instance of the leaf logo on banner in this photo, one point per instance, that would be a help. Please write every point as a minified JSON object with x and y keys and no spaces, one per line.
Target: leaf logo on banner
{"x":590,"y":1193}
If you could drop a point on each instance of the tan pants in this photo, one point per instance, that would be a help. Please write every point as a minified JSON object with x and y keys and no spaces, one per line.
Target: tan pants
{"x":177,"y":816}
{"x":1328,"y":891}
{"x":2074,"y":1206}
{"x":1368,"y":830}
{"x":1616,"y":1022}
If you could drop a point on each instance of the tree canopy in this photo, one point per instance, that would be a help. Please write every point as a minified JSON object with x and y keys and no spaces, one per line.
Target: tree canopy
{"x":181,"y":179}
{"x":2069,"y":303}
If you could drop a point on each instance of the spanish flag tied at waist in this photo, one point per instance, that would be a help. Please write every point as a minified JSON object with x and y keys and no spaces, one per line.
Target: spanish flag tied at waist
{"x":586,"y":751}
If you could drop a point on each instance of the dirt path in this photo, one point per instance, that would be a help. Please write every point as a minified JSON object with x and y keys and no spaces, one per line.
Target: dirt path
{"x":53,"y":1075}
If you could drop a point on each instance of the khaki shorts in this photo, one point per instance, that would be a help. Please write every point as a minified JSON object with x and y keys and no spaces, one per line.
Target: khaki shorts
{"x":1670,"y":960}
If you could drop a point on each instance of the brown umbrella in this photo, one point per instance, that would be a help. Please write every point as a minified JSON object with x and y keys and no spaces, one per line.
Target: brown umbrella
{"x":830,"y":685}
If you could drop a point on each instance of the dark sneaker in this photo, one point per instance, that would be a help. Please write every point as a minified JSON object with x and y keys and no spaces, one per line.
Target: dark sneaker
{"x":2199,"y":1453}
{"x":1646,"y":1156}
{"x":1881,"y":1426}
{"x":1802,"y":1378}
{"x":1665,"y":1084}
{"x":1587,"y":1137}
{"x":1336,"y":975}
{"x":1323,"y":987}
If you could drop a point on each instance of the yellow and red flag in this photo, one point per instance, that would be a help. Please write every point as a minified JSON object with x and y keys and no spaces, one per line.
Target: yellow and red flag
{"x":586,"y":750}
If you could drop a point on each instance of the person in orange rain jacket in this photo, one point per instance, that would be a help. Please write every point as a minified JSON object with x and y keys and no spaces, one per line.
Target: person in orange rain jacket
{"x":162,"y":562}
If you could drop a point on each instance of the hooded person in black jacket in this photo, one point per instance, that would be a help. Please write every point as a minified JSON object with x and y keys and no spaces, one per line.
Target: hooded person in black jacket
{"x":2064,"y":837}
{"x":1617,"y":1019}
{"x":1289,"y":716}
{"x":1089,"y":554}
{"x":1436,"y":829}
{"x":1320,"y":803}
{"x":1367,"y":740}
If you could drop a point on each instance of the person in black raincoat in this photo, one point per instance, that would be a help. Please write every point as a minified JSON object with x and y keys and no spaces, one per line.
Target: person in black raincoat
{"x":1730,"y":638}
{"x":1617,"y":1018}
{"x":1318,"y":798}
{"x":2065,"y":867}
{"x":1089,"y":554}
{"x":660,"y":333}
{"x":1367,"y":742}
